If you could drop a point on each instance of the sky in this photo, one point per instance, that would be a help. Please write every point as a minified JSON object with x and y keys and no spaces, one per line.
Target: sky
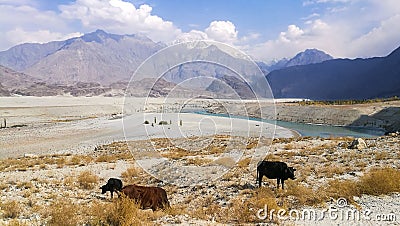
{"x":264,"y":29}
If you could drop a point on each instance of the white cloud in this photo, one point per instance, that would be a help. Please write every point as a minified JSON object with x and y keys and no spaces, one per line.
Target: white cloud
{"x":294,"y":40}
{"x":379,"y":41}
{"x":360,"y":29}
{"x":311,"y":2}
{"x":222,"y":31}
{"x":120,"y":17}
{"x":293,"y":32}
{"x":26,"y":18}
{"x":193,"y":35}
{"x":19,"y":36}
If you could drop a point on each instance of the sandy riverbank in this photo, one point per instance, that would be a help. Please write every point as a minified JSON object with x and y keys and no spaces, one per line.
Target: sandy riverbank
{"x":77,"y":125}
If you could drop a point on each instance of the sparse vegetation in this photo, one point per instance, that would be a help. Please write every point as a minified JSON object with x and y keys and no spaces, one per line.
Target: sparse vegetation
{"x":64,"y":212}
{"x":11,"y":209}
{"x":348,"y":102}
{"x":325,"y":171}
{"x":380,"y":181}
{"x":87,"y":180}
{"x":163,"y":123}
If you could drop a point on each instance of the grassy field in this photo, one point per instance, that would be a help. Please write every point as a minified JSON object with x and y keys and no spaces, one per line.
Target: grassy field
{"x":64,"y":189}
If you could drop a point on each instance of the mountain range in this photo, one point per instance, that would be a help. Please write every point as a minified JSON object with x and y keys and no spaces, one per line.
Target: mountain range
{"x":377,"y":77}
{"x":100,"y":63}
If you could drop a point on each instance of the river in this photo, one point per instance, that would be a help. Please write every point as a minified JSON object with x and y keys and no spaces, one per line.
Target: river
{"x":315,"y":130}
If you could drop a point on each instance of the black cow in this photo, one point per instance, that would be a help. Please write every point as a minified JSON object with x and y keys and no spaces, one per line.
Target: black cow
{"x":274,"y":170}
{"x":113,"y":184}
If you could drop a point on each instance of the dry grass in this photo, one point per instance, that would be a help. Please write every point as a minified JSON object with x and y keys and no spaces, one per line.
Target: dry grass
{"x":106,"y":158}
{"x":177,"y":153}
{"x":87,"y":180}
{"x":244,"y":162}
{"x":64,"y":212}
{"x":317,"y":183}
{"x":16,"y":222}
{"x":304,"y":195}
{"x":380,"y":182}
{"x":329,"y":170}
{"x":382,"y":155}
{"x":226,"y":162}
{"x":130,"y":174}
{"x":243,"y":211}
{"x":252,"y":144}
{"x":124,"y":212}
{"x":198,"y":161}
{"x":341,"y":189}
{"x":11,"y":209}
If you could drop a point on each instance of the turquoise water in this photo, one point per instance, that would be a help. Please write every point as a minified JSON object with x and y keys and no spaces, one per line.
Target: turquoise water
{"x":315,"y":130}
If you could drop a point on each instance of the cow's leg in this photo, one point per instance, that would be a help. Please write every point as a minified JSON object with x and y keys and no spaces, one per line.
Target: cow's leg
{"x":283,"y":183}
{"x":260,"y":180}
{"x":111,"y":193}
{"x":118,"y":193}
{"x":277,"y":181}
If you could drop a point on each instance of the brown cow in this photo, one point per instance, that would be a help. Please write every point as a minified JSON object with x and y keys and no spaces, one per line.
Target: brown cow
{"x":148,"y":197}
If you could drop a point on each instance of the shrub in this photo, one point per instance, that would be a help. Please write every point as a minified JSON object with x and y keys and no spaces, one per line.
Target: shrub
{"x":64,"y":212}
{"x":99,"y":213}
{"x":226,"y":162}
{"x":341,"y":189}
{"x":163,"y":123}
{"x":376,"y":182}
{"x":106,"y":158}
{"x":87,"y":180}
{"x":74,"y":160}
{"x":304,"y":195}
{"x":125,"y":212}
{"x":380,"y":182}
{"x":11,"y":209}
{"x":130,"y":174}
{"x":244,"y":212}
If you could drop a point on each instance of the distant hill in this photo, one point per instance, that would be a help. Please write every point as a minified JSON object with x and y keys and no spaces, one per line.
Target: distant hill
{"x":339,"y":79}
{"x":100,"y":63}
{"x":308,"y":56}
{"x":95,"y":57}
{"x":109,"y":61}
{"x":17,"y":83}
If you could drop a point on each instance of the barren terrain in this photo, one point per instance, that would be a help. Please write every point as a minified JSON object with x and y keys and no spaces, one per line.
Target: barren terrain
{"x":45,"y":182}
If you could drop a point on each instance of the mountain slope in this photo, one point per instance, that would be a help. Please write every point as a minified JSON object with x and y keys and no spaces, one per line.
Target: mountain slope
{"x":339,"y":79}
{"x":95,"y":57}
{"x":308,"y":56}
{"x":23,"y":56}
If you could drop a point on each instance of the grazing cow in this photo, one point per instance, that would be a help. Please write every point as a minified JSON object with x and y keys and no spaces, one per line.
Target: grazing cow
{"x":274,"y":170}
{"x":147,"y":197}
{"x":113,"y":184}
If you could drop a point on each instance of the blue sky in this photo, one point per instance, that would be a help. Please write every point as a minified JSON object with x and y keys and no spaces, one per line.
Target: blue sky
{"x":264,"y":29}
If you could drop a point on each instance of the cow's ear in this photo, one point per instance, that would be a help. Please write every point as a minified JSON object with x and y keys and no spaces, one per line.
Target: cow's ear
{"x":294,"y":169}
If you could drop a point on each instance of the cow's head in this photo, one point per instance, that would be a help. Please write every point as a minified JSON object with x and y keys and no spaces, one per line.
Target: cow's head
{"x":290,"y":173}
{"x":104,"y":189}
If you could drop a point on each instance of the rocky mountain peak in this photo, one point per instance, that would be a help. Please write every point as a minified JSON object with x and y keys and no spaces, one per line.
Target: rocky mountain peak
{"x":99,"y":36}
{"x":309,"y":56}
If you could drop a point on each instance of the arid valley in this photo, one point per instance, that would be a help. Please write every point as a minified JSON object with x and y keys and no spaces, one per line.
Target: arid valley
{"x":57,"y":151}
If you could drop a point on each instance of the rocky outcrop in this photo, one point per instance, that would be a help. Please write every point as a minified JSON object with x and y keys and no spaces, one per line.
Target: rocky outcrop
{"x":358,"y":144}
